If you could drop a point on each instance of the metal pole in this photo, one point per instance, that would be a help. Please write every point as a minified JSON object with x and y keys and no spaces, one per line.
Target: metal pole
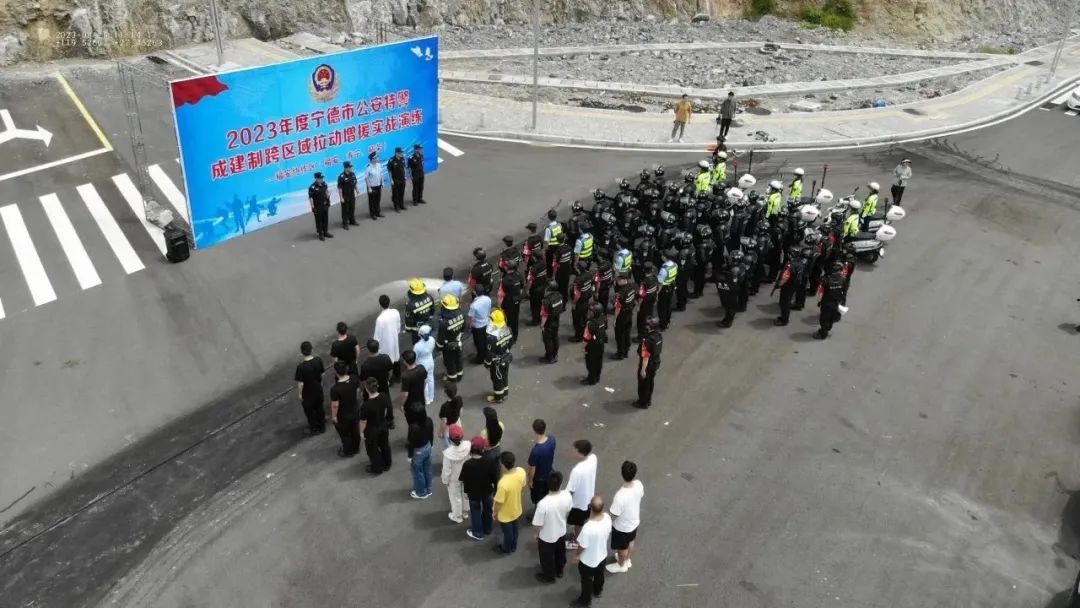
{"x":135,"y":135}
{"x":536,"y":60}
{"x":1065,"y":34}
{"x":824,"y":172}
{"x":215,"y":22}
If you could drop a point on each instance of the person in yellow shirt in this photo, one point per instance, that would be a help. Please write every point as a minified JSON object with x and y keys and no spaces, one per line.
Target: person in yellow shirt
{"x":508,"y":502}
{"x":683,"y":110}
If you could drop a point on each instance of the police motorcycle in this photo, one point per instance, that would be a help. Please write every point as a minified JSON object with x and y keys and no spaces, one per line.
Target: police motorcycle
{"x":869,"y":242}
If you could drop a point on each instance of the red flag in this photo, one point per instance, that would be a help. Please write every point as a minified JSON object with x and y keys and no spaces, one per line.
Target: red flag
{"x":192,"y":91}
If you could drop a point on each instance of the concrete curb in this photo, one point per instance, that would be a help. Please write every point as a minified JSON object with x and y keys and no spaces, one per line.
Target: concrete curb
{"x":782,"y":145}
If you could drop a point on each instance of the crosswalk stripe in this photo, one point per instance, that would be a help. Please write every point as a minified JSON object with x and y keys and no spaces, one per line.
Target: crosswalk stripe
{"x":1,"y":310}
{"x":73,"y":248}
{"x":135,"y":201}
{"x":448,"y":147}
{"x":169,"y":189}
{"x":34,"y":273}
{"x":109,"y":228}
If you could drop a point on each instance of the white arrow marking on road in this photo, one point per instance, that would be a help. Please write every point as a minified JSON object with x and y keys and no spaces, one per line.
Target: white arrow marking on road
{"x":10,"y":132}
{"x":443,"y":145}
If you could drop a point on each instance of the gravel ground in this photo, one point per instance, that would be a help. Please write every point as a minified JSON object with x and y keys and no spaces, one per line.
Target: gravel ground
{"x":767,"y":29}
{"x":706,"y":69}
{"x":839,"y":100}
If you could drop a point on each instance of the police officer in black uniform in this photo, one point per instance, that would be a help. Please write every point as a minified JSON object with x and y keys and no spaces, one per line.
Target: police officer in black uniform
{"x":648,"y":362}
{"x":703,"y":255}
{"x":511,"y":254}
{"x":686,"y":259}
{"x":481,"y":273}
{"x":550,"y":313}
{"x":536,"y":281}
{"x":728,"y":282}
{"x":319,"y":199}
{"x":583,"y":291}
{"x":603,"y":279}
{"x":647,"y":294}
{"x":595,"y":338}
{"x":346,"y":187}
{"x":418,"y":308}
{"x":396,"y":168}
{"x":534,"y":245}
{"x":416,"y":168}
{"x":625,"y":298}
{"x":832,"y":292}
{"x":563,"y":265}
{"x":509,"y":298}
{"x":448,"y":337}
{"x":788,"y":281}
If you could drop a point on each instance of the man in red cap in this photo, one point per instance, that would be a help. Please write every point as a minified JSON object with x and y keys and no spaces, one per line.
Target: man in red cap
{"x":454,"y":457}
{"x":479,"y":480}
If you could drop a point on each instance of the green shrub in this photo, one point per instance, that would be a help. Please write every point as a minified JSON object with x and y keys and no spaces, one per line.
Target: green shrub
{"x":997,"y":50}
{"x":834,"y":14}
{"x":760,"y":8}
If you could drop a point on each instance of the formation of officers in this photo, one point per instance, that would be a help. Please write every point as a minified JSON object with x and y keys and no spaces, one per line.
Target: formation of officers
{"x":349,"y":186}
{"x":640,"y":255}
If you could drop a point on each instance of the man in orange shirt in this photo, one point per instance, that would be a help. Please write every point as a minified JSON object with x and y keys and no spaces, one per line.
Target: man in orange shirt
{"x":683,"y":110}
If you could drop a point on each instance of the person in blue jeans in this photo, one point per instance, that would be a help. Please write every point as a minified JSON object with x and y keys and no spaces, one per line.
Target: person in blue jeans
{"x":479,"y":479}
{"x":421,"y":435}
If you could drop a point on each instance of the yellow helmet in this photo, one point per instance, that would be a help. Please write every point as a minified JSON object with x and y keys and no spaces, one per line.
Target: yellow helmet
{"x":417,"y":287}
{"x":498,"y":318}
{"x":449,"y":302}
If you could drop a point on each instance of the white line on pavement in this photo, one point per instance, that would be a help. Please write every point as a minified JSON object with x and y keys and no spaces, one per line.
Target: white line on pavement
{"x":135,"y":201}
{"x":169,"y":189}
{"x":109,"y":228}
{"x":1,"y":310}
{"x":440,"y":159}
{"x":1071,"y":113}
{"x":34,"y":273}
{"x":73,"y":248}
{"x":448,"y":147}
{"x":50,"y":165}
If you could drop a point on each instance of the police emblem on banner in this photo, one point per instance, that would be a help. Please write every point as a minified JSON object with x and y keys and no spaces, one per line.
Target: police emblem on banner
{"x":324,"y":84}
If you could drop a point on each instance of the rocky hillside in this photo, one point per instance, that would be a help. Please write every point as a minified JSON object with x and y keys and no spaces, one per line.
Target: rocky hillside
{"x":45,"y":29}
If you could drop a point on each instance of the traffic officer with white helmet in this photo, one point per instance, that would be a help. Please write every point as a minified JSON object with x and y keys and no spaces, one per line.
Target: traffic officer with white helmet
{"x":869,"y":204}
{"x":774,"y":201}
{"x":719,"y":171}
{"x":795,"y":189}
{"x":703,"y":181}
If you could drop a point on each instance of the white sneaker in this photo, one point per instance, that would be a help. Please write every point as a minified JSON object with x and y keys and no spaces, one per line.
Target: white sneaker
{"x":453,"y":518}
{"x":671,"y":140}
{"x":680,"y":140}
{"x":628,"y":565}
{"x":615,"y":568}
{"x":413,"y":494}
{"x":470,"y":535}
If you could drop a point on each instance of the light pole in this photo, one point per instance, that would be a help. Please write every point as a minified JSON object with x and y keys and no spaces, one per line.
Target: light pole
{"x":215,"y":22}
{"x":536,"y":60}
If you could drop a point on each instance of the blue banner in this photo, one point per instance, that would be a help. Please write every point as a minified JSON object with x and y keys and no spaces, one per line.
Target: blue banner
{"x":251,"y":140}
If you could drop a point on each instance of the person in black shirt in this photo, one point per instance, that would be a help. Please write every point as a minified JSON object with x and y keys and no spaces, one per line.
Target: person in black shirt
{"x":346,"y":186}
{"x":396,"y":168}
{"x":373,"y":426}
{"x":648,"y":362}
{"x":319,"y":199}
{"x":537,"y":282}
{"x":309,"y":386}
{"x":449,"y":413}
{"x":380,"y":367}
{"x":479,"y":480}
{"x":346,"y":348}
{"x":595,"y":336}
{"x":412,"y":387}
{"x":625,"y":299}
{"x":416,"y":167}
{"x":509,"y":299}
{"x":418,"y":443}
{"x":550,"y":312}
{"x":345,"y":410}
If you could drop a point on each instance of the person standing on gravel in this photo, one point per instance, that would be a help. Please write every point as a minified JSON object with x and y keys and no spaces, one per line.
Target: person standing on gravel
{"x":683,"y":110}
{"x":727,"y":113}
{"x":903,"y":174}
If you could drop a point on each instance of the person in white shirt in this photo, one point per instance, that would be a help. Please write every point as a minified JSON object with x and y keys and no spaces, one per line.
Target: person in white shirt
{"x":454,"y":457}
{"x":582,"y":484}
{"x":626,"y":510}
{"x":549,"y":523}
{"x":387,"y":330}
{"x":592,"y":551}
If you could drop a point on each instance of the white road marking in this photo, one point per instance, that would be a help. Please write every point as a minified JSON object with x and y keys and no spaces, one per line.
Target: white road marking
{"x":450,"y":148}
{"x":109,"y":228}
{"x":1045,"y":109}
{"x":1071,"y":113}
{"x":1,"y":310}
{"x":135,"y":201}
{"x":440,"y":159}
{"x":55,"y":163}
{"x":169,"y":189}
{"x":34,"y":273}
{"x":69,"y":240}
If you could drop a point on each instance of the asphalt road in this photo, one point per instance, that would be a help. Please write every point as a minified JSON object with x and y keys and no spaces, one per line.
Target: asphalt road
{"x":922,"y":456}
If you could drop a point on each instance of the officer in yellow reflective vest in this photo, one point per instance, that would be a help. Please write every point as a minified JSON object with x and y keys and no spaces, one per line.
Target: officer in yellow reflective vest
{"x":851,"y":225}
{"x":773,"y":202}
{"x":795,"y":190}
{"x":669,"y":272}
{"x":583,"y":248}
{"x":869,"y":206}
{"x":719,"y":171}
{"x":551,"y":236}
{"x":703,"y":181}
